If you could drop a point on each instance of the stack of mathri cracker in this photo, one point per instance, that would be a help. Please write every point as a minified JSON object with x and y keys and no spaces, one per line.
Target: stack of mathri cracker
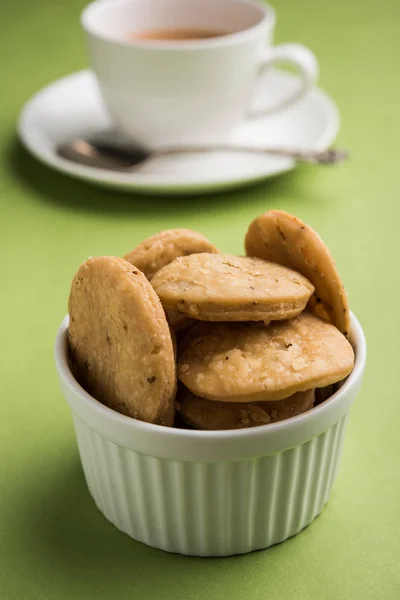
{"x":257,"y":336}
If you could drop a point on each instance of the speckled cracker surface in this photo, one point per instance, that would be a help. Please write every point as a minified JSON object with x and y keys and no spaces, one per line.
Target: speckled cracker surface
{"x":213,"y":415}
{"x":285,"y":239}
{"x":120,"y":341}
{"x":245,"y":362}
{"x":159,"y":250}
{"x":221,"y":287}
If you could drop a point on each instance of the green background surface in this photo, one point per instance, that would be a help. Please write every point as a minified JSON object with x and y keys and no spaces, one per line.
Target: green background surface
{"x":54,"y":544}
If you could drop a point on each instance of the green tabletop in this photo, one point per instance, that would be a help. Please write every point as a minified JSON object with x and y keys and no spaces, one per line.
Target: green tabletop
{"x":54,"y":544}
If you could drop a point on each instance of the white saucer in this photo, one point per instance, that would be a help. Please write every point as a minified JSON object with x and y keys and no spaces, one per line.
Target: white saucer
{"x":71,"y":107}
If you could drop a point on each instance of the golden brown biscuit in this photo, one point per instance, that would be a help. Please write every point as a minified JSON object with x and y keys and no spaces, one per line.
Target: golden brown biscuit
{"x":213,"y":415}
{"x":159,"y":250}
{"x":247,"y":362}
{"x":120,"y":340}
{"x":221,"y":287}
{"x":285,"y":239}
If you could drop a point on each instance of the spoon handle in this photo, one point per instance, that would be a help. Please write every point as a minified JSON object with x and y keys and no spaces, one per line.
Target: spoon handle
{"x":104,"y":155}
{"x":330,"y":156}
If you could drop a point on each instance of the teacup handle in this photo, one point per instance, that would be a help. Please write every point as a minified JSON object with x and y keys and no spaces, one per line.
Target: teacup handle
{"x":295,"y":54}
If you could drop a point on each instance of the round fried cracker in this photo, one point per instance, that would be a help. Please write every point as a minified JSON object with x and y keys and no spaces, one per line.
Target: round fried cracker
{"x":120,"y":341}
{"x":213,"y":415}
{"x":160,"y":249}
{"x":221,"y":287}
{"x":246,"y":362}
{"x":285,"y":239}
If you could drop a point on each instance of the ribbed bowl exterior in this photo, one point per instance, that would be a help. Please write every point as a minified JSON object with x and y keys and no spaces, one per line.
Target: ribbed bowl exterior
{"x":210,"y":493}
{"x":210,"y":508}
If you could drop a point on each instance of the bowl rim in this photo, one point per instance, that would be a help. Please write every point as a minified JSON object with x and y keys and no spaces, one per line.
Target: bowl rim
{"x":264,"y":439}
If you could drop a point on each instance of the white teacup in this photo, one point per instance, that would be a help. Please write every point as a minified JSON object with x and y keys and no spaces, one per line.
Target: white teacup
{"x":186,"y":91}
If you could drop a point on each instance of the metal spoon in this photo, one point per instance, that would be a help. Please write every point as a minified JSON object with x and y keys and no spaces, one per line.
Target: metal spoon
{"x":104,"y":155}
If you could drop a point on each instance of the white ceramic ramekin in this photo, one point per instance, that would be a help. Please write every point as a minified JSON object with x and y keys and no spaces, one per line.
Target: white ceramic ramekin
{"x":210,"y":493}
